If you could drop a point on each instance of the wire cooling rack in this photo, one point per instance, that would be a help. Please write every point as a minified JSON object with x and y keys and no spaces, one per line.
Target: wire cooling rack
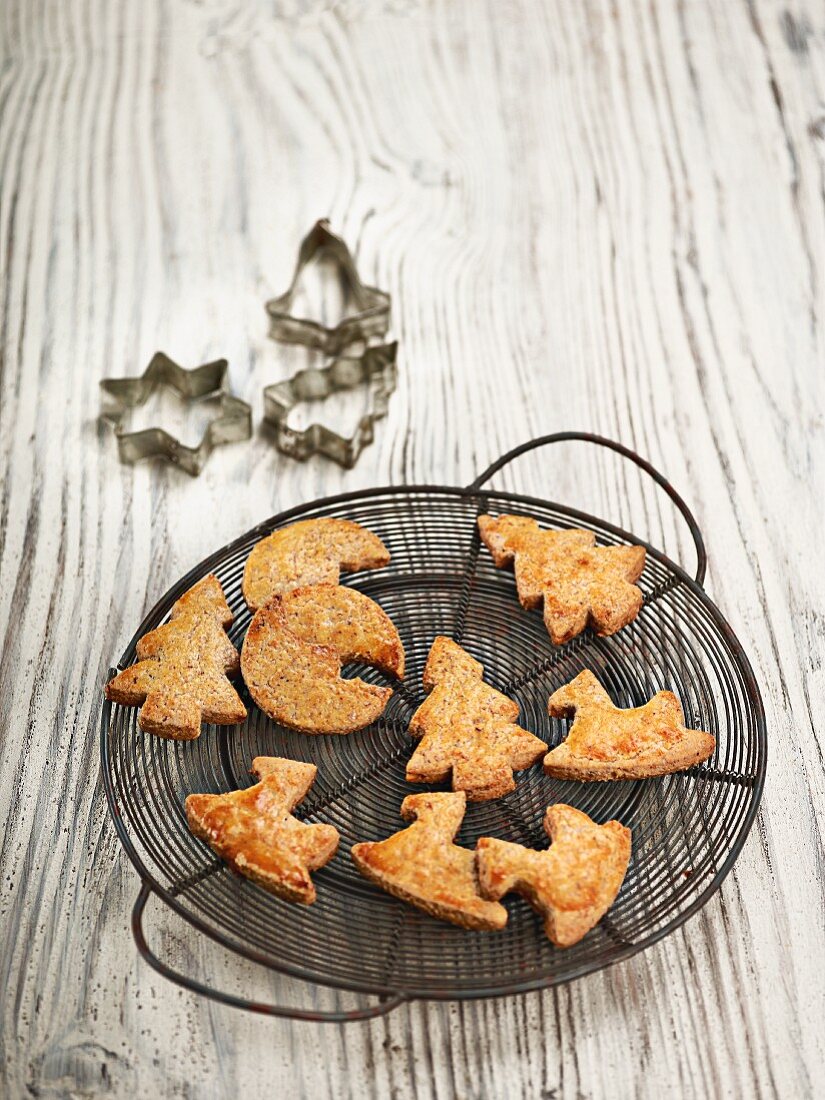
{"x":687,"y":828}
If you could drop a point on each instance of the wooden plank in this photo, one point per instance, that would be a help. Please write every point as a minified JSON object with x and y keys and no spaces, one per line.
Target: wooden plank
{"x":589,"y":215}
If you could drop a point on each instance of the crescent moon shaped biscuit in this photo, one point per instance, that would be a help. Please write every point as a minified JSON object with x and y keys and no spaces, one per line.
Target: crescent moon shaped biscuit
{"x":606,"y":742}
{"x":347,"y":620}
{"x":572,"y":884}
{"x":297,"y":681}
{"x":312,"y":551}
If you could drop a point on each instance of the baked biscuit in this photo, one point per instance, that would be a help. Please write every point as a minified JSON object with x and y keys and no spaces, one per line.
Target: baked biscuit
{"x":573,"y":884}
{"x":299,"y":683}
{"x":180,"y":677}
{"x":605,"y":742}
{"x":312,"y":551}
{"x":422,"y":866}
{"x":467,"y":729}
{"x":254,"y":831}
{"x":580,"y":583}
{"x":347,"y":620}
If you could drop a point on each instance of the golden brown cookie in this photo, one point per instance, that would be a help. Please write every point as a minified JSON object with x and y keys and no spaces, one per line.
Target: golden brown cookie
{"x":606,"y":742}
{"x":312,"y":551}
{"x":580,"y":583}
{"x":467,"y":729}
{"x":422,"y":866}
{"x":299,"y":683}
{"x":182,"y":668}
{"x":572,"y":884}
{"x":349,"y":622}
{"x":254,"y":831}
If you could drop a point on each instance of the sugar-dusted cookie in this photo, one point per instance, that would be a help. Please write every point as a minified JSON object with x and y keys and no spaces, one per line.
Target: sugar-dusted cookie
{"x":606,"y":742}
{"x":573,"y":884}
{"x":580,"y":583}
{"x":182,"y":668}
{"x":468,"y":729}
{"x":255,"y":832}
{"x":421,"y":864}
{"x":312,"y":551}
{"x":299,"y":683}
{"x":347,"y":620}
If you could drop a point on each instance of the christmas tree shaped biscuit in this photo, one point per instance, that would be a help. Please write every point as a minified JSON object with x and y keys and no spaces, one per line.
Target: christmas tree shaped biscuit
{"x":580,"y":583}
{"x":422,"y":866}
{"x":182,"y":668}
{"x":606,"y":742}
{"x":255,"y":832}
{"x":572,"y":884}
{"x":467,"y":729}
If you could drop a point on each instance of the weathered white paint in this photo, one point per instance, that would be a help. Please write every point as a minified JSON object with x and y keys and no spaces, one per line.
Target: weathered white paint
{"x":594,"y":215}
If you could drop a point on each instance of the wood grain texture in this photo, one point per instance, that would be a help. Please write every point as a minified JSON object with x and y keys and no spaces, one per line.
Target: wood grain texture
{"x":608,"y":216}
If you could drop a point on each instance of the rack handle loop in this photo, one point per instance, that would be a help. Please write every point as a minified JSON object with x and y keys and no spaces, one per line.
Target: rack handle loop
{"x":384,"y":1006}
{"x":626,"y":452}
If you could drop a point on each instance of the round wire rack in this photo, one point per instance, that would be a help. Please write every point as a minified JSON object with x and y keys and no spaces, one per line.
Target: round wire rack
{"x":687,"y":828}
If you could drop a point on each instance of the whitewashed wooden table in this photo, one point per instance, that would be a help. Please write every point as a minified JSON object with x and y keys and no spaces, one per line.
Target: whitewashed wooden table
{"x":598,"y":215}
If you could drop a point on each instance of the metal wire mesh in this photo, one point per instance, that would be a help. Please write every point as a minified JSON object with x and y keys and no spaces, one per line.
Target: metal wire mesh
{"x":687,"y":828}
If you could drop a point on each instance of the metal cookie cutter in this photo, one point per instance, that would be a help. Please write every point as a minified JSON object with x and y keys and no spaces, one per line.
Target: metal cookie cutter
{"x":376,"y":367}
{"x":371,"y":320}
{"x":232,"y":424}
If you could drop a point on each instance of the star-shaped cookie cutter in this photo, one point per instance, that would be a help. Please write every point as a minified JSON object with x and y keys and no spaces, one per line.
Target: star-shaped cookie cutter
{"x":371,"y":320}
{"x":376,"y":366}
{"x":232,"y":424}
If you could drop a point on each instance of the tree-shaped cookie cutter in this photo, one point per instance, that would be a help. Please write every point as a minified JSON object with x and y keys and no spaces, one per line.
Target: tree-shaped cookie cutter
{"x":232,"y":424}
{"x":370,"y":322}
{"x":376,"y":366}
